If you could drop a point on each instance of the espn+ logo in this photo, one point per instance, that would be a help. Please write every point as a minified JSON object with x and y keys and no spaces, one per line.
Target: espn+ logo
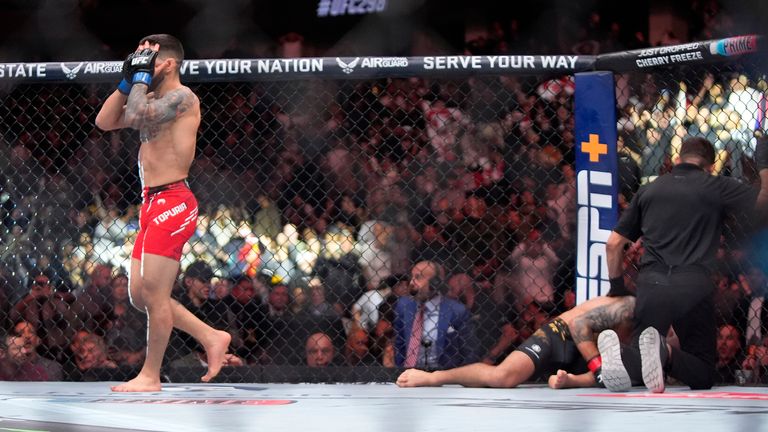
{"x":594,"y":196}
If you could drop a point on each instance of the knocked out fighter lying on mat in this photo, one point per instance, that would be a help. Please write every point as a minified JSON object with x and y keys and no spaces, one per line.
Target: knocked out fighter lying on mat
{"x":563,"y":349}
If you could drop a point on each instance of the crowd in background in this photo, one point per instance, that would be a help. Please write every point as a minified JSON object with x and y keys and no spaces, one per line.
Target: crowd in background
{"x":317,"y":200}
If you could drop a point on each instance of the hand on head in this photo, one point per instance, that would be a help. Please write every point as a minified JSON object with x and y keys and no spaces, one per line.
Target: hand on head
{"x":148,"y":44}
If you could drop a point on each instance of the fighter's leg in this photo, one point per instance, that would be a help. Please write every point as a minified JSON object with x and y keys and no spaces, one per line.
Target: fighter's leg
{"x":157,"y":276}
{"x":214,"y":342}
{"x":515,"y":369}
{"x":134,"y":286}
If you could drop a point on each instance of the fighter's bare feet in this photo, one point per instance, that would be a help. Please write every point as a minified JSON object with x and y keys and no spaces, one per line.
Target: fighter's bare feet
{"x":139,"y":384}
{"x":414,"y":378}
{"x":216,"y":349}
{"x":559,"y":380}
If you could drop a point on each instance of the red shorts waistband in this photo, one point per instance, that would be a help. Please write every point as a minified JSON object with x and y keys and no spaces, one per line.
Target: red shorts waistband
{"x":151,"y":190}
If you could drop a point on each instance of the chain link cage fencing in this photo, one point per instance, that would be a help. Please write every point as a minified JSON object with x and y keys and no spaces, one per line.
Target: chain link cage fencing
{"x":725,"y":103}
{"x":322,"y":183}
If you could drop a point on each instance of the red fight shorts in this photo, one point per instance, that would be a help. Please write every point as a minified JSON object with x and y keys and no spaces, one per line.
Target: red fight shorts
{"x":167,"y":220}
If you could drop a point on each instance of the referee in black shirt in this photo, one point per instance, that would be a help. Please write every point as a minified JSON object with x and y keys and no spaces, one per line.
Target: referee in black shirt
{"x":680,"y":217}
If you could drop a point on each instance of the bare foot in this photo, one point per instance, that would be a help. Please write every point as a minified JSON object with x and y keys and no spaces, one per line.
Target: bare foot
{"x":216,"y":350}
{"x":414,"y":378}
{"x":558,"y":381}
{"x":138,"y":384}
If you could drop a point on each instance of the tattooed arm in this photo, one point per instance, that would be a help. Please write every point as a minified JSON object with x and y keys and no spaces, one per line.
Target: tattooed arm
{"x":111,"y":116}
{"x":142,"y":111}
{"x":584,"y":328}
{"x":609,"y":313}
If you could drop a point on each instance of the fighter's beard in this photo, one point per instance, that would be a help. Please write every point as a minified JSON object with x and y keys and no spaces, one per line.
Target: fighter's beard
{"x":156,"y":81}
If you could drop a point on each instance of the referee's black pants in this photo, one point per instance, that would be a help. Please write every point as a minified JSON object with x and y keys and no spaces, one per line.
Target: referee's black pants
{"x":681,"y":298}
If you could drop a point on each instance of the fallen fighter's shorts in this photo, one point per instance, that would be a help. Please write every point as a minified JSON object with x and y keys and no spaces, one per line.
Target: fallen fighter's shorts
{"x":168,"y":219}
{"x":551,"y":348}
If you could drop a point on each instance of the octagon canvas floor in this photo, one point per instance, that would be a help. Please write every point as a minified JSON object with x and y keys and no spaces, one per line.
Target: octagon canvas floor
{"x":375,"y":407}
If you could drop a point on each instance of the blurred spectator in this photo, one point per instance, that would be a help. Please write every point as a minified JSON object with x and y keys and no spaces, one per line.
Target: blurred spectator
{"x":127,"y":331}
{"x":366,"y":309}
{"x":49,"y":313}
{"x":202,"y":245}
{"x":462,"y":289}
{"x":78,"y":259}
{"x":758,"y":288}
{"x":21,"y":361}
{"x":489,"y":313}
{"x":444,"y":122}
{"x":656,"y":148}
{"x":299,"y":300}
{"x":357,"y":349}
{"x":222,"y":290}
{"x":108,"y":235}
{"x":731,"y":300}
{"x":27,"y":170}
{"x":475,"y":233}
{"x":267,"y":218}
{"x":745,"y":100}
{"x":318,"y":306}
{"x":534,"y":263}
{"x":375,"y":259}
{"x":196,"y":298}
{"x":434,"y":245}
{"x":249,"y":316}
{"x":280,"y":333}
{"x":320,"y":351}
{"x":383,"y":348}
{"x":729,"y":358}
{"x":90,"y":356}
{"x":92,"y":299}
{"x":338,"y":267}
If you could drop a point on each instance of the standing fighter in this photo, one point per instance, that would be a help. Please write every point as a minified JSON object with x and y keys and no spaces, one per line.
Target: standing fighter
{"x":680,"y":217}
{"x":565,"y":344}
{"x":152,"y":99}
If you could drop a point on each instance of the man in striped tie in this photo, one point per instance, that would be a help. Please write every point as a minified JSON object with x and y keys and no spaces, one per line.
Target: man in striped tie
{"x":433,"y":331}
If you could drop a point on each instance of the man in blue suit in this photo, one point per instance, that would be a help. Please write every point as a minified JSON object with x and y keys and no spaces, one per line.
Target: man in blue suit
{"x":433,"y":331}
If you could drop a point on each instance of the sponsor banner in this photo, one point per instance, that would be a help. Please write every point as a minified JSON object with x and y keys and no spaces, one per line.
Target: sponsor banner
{"x":597,"y":180}
{"x":240,"y":70}
{"x":734,"y":46}
{"x":690,"y":53}
{"x":457,"y":66}
{"x":191,"y":70}
{"x":233,"y":70}
{"x":62,"y":72}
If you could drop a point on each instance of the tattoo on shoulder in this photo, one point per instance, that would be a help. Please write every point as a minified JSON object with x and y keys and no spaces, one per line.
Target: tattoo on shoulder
{"x":170,"y":106}
{"x":602,"y":318}
{"x":165,"y":109}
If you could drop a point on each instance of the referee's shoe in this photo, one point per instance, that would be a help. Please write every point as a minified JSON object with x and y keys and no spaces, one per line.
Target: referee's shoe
{"x":653,"y":356}
{"x":614,"y":374}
